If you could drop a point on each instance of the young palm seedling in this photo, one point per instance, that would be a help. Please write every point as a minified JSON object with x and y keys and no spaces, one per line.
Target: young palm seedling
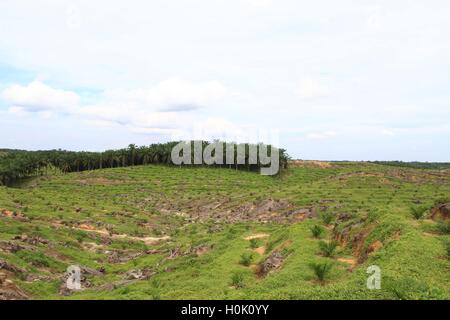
{"x":254,"y":243}
{"x":443,"y":226}
{"x":321,"y":270}
{"x":327,"y":217}
{"x":237,"y":280}
{"x":246,"y":259}
{"x":328,"y":248}
{"x":316,"y":231}
{"x":418,"y":212}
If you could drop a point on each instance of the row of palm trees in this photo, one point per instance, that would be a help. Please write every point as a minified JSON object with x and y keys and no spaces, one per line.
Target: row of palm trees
{"x":17,"y":164}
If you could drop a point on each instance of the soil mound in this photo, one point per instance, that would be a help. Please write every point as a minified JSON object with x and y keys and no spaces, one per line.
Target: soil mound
{"x":441,"y":212}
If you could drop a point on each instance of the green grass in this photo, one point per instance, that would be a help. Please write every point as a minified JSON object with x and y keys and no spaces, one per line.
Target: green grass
{"x":447,"y":248}
{"x":200,"y":213}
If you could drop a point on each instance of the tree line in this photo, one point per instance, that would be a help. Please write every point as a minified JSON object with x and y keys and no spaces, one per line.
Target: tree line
{"x":18,"y":164}
{"x":415,"y":164}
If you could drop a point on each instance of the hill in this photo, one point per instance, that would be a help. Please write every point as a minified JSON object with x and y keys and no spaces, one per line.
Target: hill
{"x":160,"y":232}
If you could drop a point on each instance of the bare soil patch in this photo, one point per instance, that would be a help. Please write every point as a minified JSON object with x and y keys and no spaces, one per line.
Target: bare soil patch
{"x":146,"y":240}
{"x":13,"y":215}
{"x":441,"y":211}
{"x":107,"y":234}
{"x":351,"y":261}
{"x":260,"y":250}
{"x":233,"y":211}
{"x":257,"y":236}
{"x":8,"y":289}
{"x":375,"y":246}
{"x":310,"y":163}
{"x":273,"y":262}
{"x":202,"y":250}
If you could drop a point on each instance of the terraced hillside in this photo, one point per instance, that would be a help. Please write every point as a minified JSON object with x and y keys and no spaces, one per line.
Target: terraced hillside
{"x":158,"y":232}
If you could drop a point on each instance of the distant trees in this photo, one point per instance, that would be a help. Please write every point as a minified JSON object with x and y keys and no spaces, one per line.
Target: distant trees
{"x":17,"y":164}
{"x":415,"y":164}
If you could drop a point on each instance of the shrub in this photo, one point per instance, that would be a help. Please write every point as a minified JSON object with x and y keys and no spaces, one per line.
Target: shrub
{"x":246,"y":259}
{"x":254,"y":243}
{"x":443,"y":226}
{"x":321,"y":270}
{"x":418,"y":212}
{"x":237,"y":279}
{"x":328,"y":248}
{"x":80,"y":236}
{"x":316,"y":231}
{"x":327,"y":217}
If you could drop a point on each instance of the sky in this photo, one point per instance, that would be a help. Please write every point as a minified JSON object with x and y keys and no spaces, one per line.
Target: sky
{"x":326,"y":80}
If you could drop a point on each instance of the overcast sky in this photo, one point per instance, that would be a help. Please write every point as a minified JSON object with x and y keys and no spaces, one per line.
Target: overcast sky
{"x":326,"y":79}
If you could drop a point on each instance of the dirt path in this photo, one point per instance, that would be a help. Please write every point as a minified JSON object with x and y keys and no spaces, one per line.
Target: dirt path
{"x":257,"y":236}
{"x":146,"y":240}
{"x":104,"y":232}
{"x":351,"y":261}
{"x":260,"y":250}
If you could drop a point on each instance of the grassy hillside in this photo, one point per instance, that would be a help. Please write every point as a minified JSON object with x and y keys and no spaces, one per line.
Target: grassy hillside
{"x":158,"y":232}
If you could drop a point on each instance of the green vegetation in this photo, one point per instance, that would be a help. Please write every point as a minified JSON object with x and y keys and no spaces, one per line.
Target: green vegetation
{"x":443,"y":226}
{"x":327,"y":217}
{"x":18,"y":164}
{"x":418,"y":212}
{"x":170,"y":232}
{"x":316,"y":231}
{"x":246,"y":259}
{"x":321,"y":270}
{"x":328,"y":248}
{"x":412,"y":289}
{"x":254,"y":243}
{"x":237,"y":280}
{"x":415,"y":164}
{"x":447,"y":248}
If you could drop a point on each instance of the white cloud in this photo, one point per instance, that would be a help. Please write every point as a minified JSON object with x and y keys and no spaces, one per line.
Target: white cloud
{"x":37,"y":97}
{"x":310,"y":88}
{"x":387,"y":132}
{"x":173,"y":94}
{"x":133,"y":116}
{"x":161,"y":108}
{"x":17,"y":110}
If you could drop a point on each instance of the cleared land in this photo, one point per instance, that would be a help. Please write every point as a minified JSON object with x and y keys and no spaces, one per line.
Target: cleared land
{"x":158,"y":232}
